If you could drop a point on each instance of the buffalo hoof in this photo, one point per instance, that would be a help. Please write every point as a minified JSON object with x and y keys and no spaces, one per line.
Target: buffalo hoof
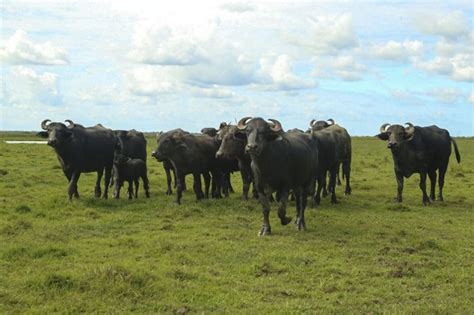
{"x":285,"y":220}
{"x":301,"y":225}
{"x":266,"y":230}
{"x":347,"y":192}
{"x":169,"y":192}
{"x":440,"y":199}
{"x":147,"y":194}
{"x":396,"y":199}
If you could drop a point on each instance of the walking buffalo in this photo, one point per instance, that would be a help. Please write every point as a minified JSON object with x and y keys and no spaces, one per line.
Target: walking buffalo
{"x":422,"y":150}
{"x":81,"y":150}
{"x":281,"y":162}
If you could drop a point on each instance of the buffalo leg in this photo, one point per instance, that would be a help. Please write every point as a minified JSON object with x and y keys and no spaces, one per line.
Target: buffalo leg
{"x":282,"y":208}
{"x":179,"y":188}
{"x":263,"y":198}
{"x":399,"y":177}
{"x":300,"y":207}
{"x":338,"y":176}
{"x":207,"y":184}
{"x":146,"y":185}
{"x":442,"y":172}
{"x":225,"y":183}
{"x":130,"y":189}
{"x":108,"y":173}
{"x":169,"y":191}
{"x":246,"y":180}
{"x":346,"y":172}
{"x":118,"y":185}
{"x":197,"y":186}
{"x":98,"y":191}
{"x":72,"y":189}
{"x":216,"y":184}
{"x":332,"y":184}
{"x":423,"y":188}
{"x":323,"y":183}
{"x":432,"y":176}
{"x":229,"y":183}
{"x":137,"y":184}
{"x":317,"y":194}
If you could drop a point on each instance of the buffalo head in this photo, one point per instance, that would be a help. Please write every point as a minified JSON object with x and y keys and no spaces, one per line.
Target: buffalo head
{"x":232,"y":141}
{"x":57,"y":133}
{"x":168,"y":144}
{"x":396,"y":134}
{"x":316,"y":125}
{"x":259,"y":133}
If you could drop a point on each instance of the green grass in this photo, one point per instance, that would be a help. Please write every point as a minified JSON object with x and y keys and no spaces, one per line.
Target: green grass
{"x":366,"y":254}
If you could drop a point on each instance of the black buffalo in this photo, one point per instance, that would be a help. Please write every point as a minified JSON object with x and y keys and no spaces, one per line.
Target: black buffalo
{"x":281,"y":162}
{"x":422,"y":150}
{"x":190,"y":154}
{"x":168,"y":167}
{"x":232,"y":146}
{"x":130,"y":170}
{"x":81,"y":150}
{"x":210,"y":131}
{"x":343,"y":147}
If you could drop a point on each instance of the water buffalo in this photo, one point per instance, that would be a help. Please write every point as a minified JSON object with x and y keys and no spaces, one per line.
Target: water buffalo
{"x":210,"y":131}
{"x":232,"y":146}
{"x":190,"y":154}
{"x":130,"y":170}
{"x":281,"y":162}
{"x":168,"y":167}
{"x":343,"y":147}
{"x":81,"y":150}
{"x":131,"y":144}
{"x":422,"y":150}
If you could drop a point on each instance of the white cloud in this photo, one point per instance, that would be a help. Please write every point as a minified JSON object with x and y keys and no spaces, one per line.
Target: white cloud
{"x":397,"y":51}
{"x":460,"y":67}
{"x":238,"y":7}
{"x":471,"y":97}
{"x":163,"y":45}
{"x":328,"y":34}
{"x":346,"y":68}
{"x":446,"y":95}
{"x":27,"y":87}
{"x":18,"y":49}
{"x":451,"y":25}
{"x":279,"y":74}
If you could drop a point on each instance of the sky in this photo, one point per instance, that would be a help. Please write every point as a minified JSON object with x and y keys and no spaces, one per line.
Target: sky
{"x":160,"y":65}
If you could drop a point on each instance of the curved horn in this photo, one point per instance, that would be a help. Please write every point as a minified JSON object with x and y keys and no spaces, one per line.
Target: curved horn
{"x":332,"y":122}
{"x":70,"y":122}
{"x":44,"y":125}
{"x":410,"y":129}
{"x":276,"y":125}
{"x":384,"y":127}
{"x":242,"y":124}
{"x":313,"y":121}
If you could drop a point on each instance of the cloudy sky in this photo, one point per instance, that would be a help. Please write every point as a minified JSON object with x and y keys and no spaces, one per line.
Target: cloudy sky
{"x":159,"y":65}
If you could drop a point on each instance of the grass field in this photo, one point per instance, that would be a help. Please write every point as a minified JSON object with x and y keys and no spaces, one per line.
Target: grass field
{"x":366,"y":254}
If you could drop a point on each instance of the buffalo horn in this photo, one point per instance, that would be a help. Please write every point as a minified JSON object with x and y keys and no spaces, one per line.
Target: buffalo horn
{"x":44,"y":125}
{"x":410,"y":129}
{"x":384,"y":127}
{"x":276,"y":127}
{"x":70,"y":122}
{"x":242,"y":124}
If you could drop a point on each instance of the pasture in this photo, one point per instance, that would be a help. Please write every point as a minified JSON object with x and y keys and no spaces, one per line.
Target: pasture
{"x":366,"y":254}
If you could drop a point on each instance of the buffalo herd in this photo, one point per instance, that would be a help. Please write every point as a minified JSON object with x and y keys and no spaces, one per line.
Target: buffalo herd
{"x":278,"y":165}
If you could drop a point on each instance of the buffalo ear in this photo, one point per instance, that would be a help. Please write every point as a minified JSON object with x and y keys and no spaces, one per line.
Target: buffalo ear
{"x":42,"y":134}
{"x":382,"y":136}
{"x":222,"y":125}
{"x":274,"y":136}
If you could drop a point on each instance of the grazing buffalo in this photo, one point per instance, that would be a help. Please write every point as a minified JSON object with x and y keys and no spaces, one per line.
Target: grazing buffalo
{"x":281,"y":162}
{"x":130,"y":170}
{"x":190,"y":154}
{"x":422,"y":150}
{"x":81,"y":150}
{"x":232,"y":146}
{"x":343,"y":147}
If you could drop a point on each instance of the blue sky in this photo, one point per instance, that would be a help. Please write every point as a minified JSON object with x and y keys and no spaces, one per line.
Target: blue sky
{"x":154,"y":66}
